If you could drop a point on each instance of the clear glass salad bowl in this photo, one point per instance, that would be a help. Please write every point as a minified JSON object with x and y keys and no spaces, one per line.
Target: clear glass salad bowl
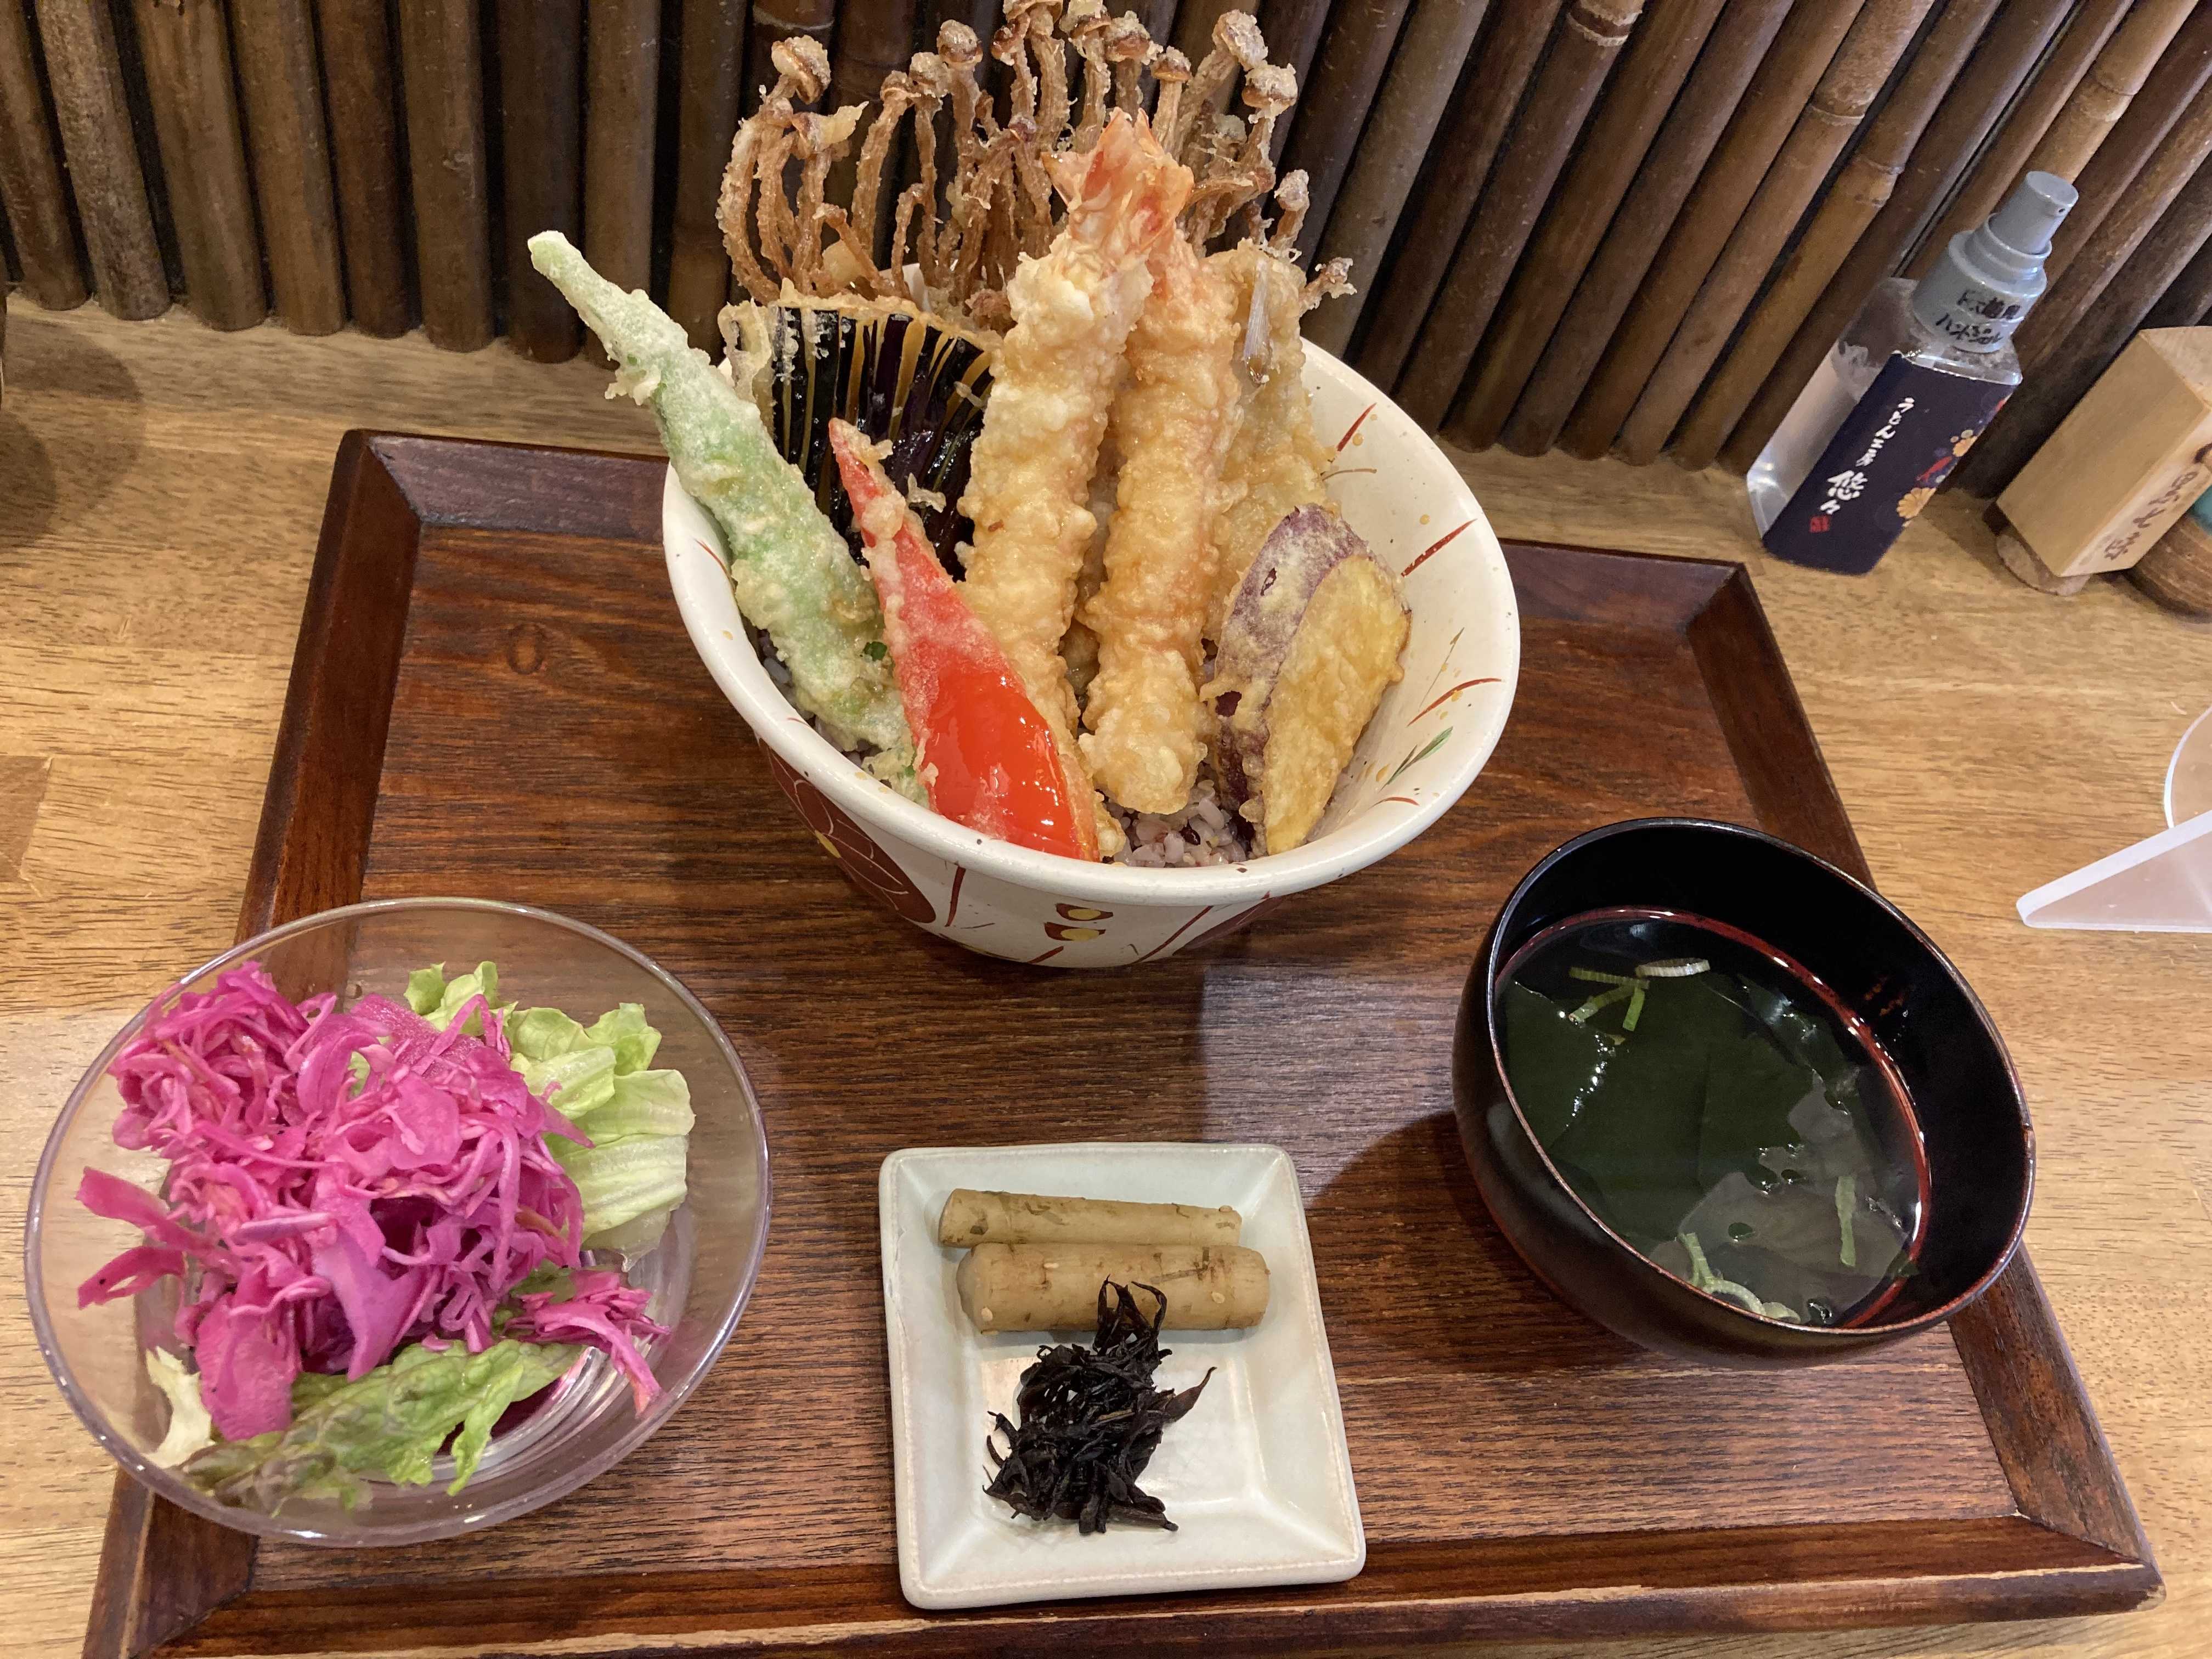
{"x":701,"y":1272}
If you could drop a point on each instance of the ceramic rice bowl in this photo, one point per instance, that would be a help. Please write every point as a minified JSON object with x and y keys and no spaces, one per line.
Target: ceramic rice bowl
{"x":1426,"y":744}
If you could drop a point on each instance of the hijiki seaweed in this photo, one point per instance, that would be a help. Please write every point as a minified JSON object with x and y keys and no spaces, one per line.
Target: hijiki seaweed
{"x":1090,"y":1420}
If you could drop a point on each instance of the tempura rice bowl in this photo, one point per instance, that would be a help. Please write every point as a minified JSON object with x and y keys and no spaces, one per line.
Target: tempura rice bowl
{"x":1426,"y":744}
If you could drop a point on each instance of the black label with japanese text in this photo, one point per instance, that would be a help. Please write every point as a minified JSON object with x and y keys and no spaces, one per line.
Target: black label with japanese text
{"x":1888,"y":457}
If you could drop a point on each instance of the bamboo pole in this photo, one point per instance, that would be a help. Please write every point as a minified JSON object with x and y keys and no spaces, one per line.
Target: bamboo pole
{"x":2014,"y":40}
{"x":2107,"y":179}
{"x":1857,"y":195}
{"x":186,"y":48}
{"x":2004,"y":163}
{"x":2067,"y":372}
{"x":1422,"y":71}
{"x":541,"y":79}
{"x":621,"y":109}
{"x":1670,"y":168}
{"x":1858,"y":71}
{"x":1582,"y":55}
{"x":1763,"y":121}
{"x":1659,"y":55}
{"x":274,"y":41}
{"x":441,"y":59}
{"x":31,"y":192}
{"x":1338,"y":96}
{"x":358,"y":88}
{"x":2105,"y":93}
{"x":1466,"y":146}
{"x":710,"y":64}
{"x":86,"y":74}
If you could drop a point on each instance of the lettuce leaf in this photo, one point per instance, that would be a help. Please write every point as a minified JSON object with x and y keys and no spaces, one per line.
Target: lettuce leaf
{"x":623,"y":1181}
{"x":600,"y":1078}
{"x":624,"y":1030}
{"x":438,"y":998}
{"x":389,"y":1424}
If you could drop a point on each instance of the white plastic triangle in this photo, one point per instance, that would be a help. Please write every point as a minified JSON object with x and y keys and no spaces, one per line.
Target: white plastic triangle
{"x":2161,"y":885}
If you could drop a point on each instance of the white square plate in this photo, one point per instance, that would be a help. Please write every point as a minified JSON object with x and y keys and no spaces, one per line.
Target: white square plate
{"x":1256,"y":1478}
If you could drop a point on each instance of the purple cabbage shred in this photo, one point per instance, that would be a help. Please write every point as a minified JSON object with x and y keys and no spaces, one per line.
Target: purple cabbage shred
{"x":341,"y":1184}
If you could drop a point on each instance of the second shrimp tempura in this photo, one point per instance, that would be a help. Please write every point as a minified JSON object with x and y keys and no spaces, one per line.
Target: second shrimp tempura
{"x":1172,"y":424}
{"x":1053,"y":386}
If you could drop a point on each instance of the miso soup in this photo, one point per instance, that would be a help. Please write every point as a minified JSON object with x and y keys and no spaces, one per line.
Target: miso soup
{"x":1720,"y":1108}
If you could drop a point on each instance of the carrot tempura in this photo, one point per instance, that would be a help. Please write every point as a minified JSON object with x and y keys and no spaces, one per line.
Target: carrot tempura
{"x":1053,"y":386}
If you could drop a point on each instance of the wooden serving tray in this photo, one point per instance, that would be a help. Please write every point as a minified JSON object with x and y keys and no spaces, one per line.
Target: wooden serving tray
{"x":494,"y":696}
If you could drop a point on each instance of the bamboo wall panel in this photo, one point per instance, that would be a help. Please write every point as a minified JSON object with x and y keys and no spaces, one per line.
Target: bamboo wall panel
{"x":1636,"y":100}
{"x":1333,"y":104}
{"x":85,"y":70}
{"x":1466,"y":146}
{"x":278,"y":74}
{"x":31,"y":194}
{"x":622,"y":109}
{"x":1422,"y":71}
{"x":541,"y":74}
{"x":710,"y":62}
{"x":1800,"y":57}
{"x":2107,"y":90}
{"x":1584,"y":49}
{"x":190,"y":85}
{"x":359,"y":94}
{"x":2098,"y":261}
{"x":1857,"y":72}
{"x":2018,"y":31}
{"x":2004,"y":163}
{"x":1859,"y":192}
{"x":1633,"y":226}
{"x":1733,"y":55}
{"x":441,"y":55}
{"x":2109,"y":175}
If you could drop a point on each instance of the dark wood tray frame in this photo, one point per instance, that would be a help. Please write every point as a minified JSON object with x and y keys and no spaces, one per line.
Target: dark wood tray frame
{"x":2073,"y":1545}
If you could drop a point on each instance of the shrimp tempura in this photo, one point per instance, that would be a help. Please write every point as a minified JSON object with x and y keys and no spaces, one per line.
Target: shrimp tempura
{"x":1275,"y":462}
{"x":1053,"y":384}
{"x":1172,"y":424}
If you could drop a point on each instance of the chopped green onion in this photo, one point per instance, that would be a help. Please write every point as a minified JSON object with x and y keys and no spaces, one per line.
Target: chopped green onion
{"x":1635,"y":1010}
{"x":1593,"y":975}
{"x":1674,"y":968}
{"x":1702,"y":1278}
{"x":1603,"y":999}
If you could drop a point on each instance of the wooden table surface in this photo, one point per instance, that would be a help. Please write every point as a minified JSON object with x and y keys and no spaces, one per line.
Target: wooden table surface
{"x":161,"y":489}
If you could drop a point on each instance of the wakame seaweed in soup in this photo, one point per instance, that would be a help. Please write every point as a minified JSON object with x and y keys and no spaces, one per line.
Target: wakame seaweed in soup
{"x":1719,"y":1109}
